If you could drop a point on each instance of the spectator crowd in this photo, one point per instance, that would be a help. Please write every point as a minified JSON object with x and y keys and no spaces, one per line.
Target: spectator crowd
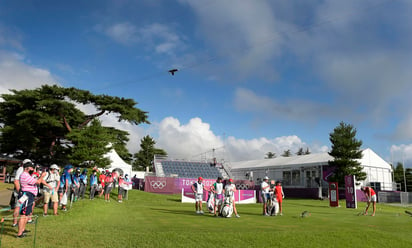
{"x":58,"y":188}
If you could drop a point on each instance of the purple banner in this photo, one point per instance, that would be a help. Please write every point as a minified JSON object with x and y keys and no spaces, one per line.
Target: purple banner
{"x":350,"y":191}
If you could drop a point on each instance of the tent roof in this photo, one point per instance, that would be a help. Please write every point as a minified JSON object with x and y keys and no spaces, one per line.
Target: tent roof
{"x":118,"y":162}
{"x":369,"y":159}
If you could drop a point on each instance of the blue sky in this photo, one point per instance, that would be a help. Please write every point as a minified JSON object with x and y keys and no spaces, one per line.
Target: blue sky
{"x":254,"y":76}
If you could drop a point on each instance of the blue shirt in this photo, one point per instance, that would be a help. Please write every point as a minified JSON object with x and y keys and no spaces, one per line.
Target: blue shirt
{"x":93,"y":179}
{"x":83,"y":178}
{"x":68,"y":176}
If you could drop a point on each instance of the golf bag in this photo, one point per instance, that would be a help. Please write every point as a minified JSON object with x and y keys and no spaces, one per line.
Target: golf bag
{"x":227,"y":208}
{"x":211,"y":202}
{"x":273,"y":205}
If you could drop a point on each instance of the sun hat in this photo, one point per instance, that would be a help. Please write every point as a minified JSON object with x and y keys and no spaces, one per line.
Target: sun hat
{"x":54,"y":166}
{"x":27,"y":163}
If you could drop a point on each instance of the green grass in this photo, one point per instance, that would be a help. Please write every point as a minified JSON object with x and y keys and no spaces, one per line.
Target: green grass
{"x":150,"y":220}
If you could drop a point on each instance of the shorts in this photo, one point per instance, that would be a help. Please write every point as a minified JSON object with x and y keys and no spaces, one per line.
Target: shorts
{"x":107,"y":189}
{"x":121,"y":191}
{"x":265,"y":197}
{"x":198,"y":197}
{"x":218,"y":199}
{"x":47,"y":196}
{"x":27,"y":206}
{"x":373,"y":198}
{"x":14,"y":200}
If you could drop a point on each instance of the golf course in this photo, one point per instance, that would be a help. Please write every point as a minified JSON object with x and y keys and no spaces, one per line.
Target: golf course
{"x":154,"y":220}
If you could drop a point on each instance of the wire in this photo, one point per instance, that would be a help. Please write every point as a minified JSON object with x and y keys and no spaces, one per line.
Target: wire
{"x":263,"y":42}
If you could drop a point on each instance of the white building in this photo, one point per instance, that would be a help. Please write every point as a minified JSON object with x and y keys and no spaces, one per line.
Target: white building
{"x":306,"y":171}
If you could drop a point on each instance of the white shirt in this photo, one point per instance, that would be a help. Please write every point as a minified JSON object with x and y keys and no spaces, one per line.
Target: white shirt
{"x":18,"y":173}
{"x":51,"y":180}
{"x":198,"y":188}
{"x":230,"y":190}
{"x":218,"y":188}
{"x":264,"y":186}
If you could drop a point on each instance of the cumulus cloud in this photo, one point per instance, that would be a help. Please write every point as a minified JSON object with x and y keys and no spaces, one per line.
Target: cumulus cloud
{"x":159,"y":38}
{"x":15,"y":73}
{"x":195,"y":140}
{"x":402,"y":153}
{"x":237,"y":30}
{"x":292,"y":109}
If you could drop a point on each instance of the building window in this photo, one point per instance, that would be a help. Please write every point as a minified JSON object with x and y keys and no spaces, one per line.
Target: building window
{"x":295,"y":177}
{"x":287,"y":179}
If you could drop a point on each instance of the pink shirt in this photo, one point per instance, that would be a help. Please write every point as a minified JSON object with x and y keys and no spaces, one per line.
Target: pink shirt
{"x":28,"y":183}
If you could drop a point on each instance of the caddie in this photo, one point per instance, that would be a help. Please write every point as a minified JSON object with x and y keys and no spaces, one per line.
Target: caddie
{"x":198,"y":188}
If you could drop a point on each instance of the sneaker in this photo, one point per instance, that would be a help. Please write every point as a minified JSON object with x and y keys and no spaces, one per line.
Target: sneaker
{"x":64,"y":209}
{"x":21,"y":236}
{"x":14,"y":225}
{"x":201,"y":212}
{"x":30,"y":221}
{"x":280,"y":214}
{"x":120,"y":201}
{"x":237,"y":216}
{"x":26,"y":231}
{"x":56,"y":214}
{"x":197,"y":212}
{"x":45,"y":215}
{"x":266,"y":214}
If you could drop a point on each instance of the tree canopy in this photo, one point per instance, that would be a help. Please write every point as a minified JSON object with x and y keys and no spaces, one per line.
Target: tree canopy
{"x":38,"y":121}
{"x":144,"y":157}
{"x":345,"y":151}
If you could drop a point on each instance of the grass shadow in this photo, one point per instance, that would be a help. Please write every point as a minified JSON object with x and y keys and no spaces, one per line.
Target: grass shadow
{"x":173,"y":211}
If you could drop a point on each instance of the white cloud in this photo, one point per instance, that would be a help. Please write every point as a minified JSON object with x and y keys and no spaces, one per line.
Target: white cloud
{"x":156,"y":37}
{"x":402,"y":153}
{"x":195,"y":140}
{"x":294,"y":109}
{"x":15,"y":73}
{"x":124,"y":33}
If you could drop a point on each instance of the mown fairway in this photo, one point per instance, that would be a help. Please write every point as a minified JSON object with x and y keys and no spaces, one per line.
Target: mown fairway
{"x":149,"y":220}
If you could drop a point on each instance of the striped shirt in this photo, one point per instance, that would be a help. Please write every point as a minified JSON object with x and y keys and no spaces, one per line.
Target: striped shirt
{"x":28,"y":183}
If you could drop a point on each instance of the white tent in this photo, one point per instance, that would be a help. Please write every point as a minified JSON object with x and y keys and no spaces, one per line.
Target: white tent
{"x":117,"y":163}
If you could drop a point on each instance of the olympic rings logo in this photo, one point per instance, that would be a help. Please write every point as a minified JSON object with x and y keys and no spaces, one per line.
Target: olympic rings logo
{"x":158,"y":184}
{"x":242,"y":186}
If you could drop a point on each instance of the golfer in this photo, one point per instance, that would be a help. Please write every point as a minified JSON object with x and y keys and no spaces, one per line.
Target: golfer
{"x":264,"y":187}
{"x":371,"y":195}
{"x":197,"y":189}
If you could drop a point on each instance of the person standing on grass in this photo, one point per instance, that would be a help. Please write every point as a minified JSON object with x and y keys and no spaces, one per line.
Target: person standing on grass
{"x":14,"y":203}
{"x":265,"y":187}
{"x":198,"y":188}
{"x":108,"y":181}
{"x":83,"y":183}
{"x":76,"y":183}
{"x":371,"y":195}
{"x":67,"y":186}
{"x":52,"y":178}
{"x":26,"y":196}
{"x":279,"y":195}
{"x":218,"y":190}
{"x":101,"y":180}
{"x":93,"y":184}
{"x":230,"y":190}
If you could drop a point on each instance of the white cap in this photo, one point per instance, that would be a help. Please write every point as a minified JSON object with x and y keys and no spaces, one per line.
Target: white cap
{"x":266,"y":178}
{"x":26,"y":161}
{"x":54,"y":166}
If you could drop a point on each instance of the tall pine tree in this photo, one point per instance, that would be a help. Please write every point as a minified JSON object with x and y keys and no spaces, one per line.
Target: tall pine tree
{"x":345,"y":151}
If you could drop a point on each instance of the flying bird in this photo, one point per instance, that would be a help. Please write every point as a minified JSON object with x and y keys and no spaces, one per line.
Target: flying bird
{"x":172,"y":71}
